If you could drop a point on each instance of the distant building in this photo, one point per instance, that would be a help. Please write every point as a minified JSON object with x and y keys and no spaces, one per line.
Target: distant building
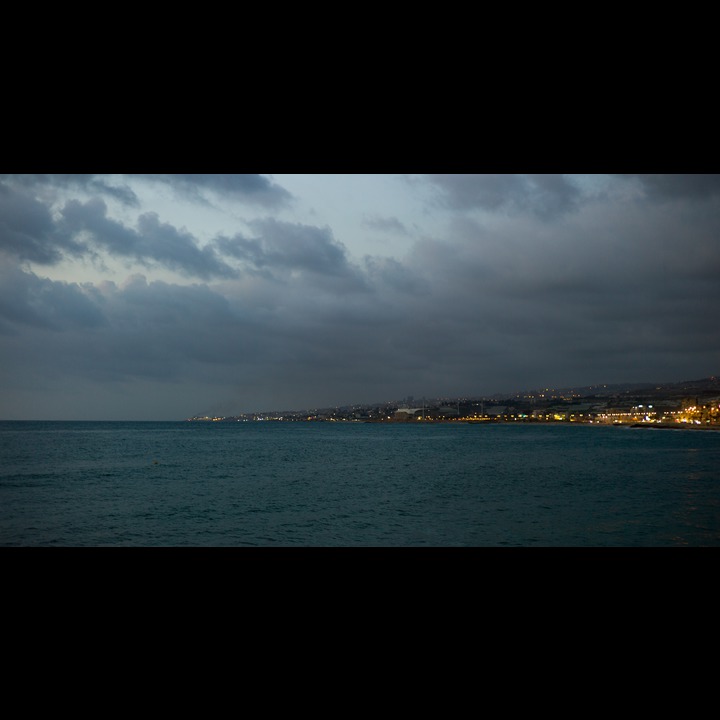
{"x":407,"y":413}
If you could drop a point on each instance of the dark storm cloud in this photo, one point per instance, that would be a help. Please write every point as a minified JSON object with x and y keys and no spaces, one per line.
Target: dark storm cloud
{"x":393,"y":276}
{"x":116,"y":333}
{"x":26,"y":299}
{"x":94,"y":184}
{"x":555,"y":300}
{"x":157,"y":328}
{"x":541,"y":195}
{"x":302,"y":247}
{"x":293,"y":248}
{"x":30,"y":232}
{"x":254,"y":189}
{"x":152,"y":242}
{"x":246,"y":188}
{"x":265,"y":341}
{"x":678,"y":186}
{"x":27,"y":230}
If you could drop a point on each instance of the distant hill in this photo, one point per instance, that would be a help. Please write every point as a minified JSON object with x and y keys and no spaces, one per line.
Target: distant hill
{"x":704,"y":387}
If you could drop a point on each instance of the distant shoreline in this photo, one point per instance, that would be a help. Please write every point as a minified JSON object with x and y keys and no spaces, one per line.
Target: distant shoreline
{"x":674,"y":426}
{"x":495,"y":423}
{"x":649,"y":426}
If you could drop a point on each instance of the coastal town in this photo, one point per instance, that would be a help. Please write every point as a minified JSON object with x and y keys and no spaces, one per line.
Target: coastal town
{"x":689,"y":404}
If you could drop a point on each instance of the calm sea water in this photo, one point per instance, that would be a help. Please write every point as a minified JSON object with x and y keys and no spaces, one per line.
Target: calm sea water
{"x":354,"y":484}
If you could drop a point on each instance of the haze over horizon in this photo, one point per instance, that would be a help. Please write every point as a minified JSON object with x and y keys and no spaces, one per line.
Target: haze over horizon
{"x":160,"y":297}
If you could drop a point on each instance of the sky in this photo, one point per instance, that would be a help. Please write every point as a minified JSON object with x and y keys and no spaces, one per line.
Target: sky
{"x":161,"y":297}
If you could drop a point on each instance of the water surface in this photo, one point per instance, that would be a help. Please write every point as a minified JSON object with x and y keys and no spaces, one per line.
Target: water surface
{"x":356,"y":484}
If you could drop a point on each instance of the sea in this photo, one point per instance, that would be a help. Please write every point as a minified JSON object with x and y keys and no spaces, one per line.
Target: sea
{"x":355,"y":484}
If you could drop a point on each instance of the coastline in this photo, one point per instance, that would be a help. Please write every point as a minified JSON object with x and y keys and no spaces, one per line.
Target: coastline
{"x":715,"y":427}
{"x":675,"y":426}
{"x":649,"y":426}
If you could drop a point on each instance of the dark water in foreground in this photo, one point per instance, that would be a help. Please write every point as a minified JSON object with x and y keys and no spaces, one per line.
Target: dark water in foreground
{"x":352,"y":484}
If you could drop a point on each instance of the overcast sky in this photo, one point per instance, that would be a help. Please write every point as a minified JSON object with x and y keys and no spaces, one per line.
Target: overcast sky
{"x":159,"y":297}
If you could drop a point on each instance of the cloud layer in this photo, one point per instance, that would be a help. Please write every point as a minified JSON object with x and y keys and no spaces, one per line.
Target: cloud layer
{"x":520,"y":282}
